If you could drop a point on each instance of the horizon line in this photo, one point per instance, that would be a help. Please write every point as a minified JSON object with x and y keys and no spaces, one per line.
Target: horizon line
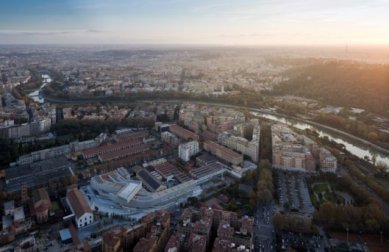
{"x":199,"y":44}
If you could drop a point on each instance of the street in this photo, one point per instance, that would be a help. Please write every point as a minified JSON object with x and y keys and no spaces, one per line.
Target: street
{"x":264,"y":234}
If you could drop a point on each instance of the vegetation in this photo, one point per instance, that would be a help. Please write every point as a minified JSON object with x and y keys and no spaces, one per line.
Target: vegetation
{"x":292,"y":223}
{"x":266,"y":142}
{"x":244,"y":97}
{"x":8,"y":151}
{"x":353,"y":165}
{"x":265,"y":186}
{"x":342,"y":83}
{"x":34,"y":82}
{"x":356,"y":127}
{"x":66,"y":131}
{"x":364,"y":215}
{"x":88,"y":129}
{"x":368,"y":218}
{"x":369,"y":181}
{"x":322,"y":192}
{"x":239,"y":201}
{"x":342,"y":184}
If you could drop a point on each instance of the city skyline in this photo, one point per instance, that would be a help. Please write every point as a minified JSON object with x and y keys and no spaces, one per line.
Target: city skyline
{"x":208,"y":125}
{"x":195,"y":22}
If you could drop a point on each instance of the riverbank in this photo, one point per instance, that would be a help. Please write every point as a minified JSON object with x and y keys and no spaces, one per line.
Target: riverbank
{"x":37,"y":94}
{"x":364,"y":148}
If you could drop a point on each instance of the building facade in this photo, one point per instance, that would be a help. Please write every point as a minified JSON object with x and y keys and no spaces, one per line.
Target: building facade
{"x":187,"y":150}
{"x":79,"y":206}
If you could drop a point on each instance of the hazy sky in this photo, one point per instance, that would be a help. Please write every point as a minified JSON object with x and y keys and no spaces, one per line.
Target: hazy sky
{"x":229,"y":22}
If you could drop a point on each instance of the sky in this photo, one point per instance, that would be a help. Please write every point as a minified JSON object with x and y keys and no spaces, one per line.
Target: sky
{"x":220,"y":22}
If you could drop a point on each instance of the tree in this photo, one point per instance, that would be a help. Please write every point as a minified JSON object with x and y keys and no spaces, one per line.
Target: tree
{"x":292,"y":223}
{"x":372,"y":136}
{"x":278,"y":221}
{"x":253,"y":197}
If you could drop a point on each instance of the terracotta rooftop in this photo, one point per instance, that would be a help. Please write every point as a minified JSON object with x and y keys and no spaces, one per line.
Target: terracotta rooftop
{"x":182,"y":132}
{"x":172,"y":243}
{"x":41,"y":200}
{"x":197,"y":242}
{"x":111,"y":238}
{"x":40,"y":194}
{"x":78,"y":202}
{"x":145,"y":244}
{"x":131,"y":135}
{"x":123,"y":152}
{"x":124,"y":144}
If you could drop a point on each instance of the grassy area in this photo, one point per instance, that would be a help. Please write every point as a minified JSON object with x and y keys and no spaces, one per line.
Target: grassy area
{"x":316,"y":190}
{"x":333,"y":197}
{"x":55,"y":206}
{"x":322,"y":192}
{"x":320,"y":187}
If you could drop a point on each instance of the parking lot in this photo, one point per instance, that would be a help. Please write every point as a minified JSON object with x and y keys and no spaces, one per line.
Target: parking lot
{"x":293,"y":192}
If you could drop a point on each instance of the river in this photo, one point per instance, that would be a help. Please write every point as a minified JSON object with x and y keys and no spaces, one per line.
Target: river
{"x":360,"y":150}
{"x":36,"y":95}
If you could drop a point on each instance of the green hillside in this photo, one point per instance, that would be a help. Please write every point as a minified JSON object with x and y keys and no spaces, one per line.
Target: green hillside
{"x":341,"y":83}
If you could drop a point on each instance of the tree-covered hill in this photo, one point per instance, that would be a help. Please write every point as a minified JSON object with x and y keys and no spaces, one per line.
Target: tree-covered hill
{"x":341,"y":83}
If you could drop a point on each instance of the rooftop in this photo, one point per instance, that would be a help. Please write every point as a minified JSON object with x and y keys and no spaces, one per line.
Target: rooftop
{"x":129,"y":189}
{"x":78,"y":203}
{"x":207,"y":169}
{"x":38,"y":173}
{"x":65,"y":234}
{"x":148,"y":179}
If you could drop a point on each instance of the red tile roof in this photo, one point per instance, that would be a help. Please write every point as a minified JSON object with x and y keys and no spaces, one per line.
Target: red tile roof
{"x":182,"y":132}
{"x":123,"y":152}
{"x":78,"y":202}
{"x":145,"y":244}
{"x":110,"y":147}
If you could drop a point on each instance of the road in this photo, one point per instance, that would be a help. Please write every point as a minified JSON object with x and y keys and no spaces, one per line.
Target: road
{"x":264,"y":235}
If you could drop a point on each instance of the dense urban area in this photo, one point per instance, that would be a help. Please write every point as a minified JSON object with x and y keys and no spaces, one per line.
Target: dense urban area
{"x":193,"y":149}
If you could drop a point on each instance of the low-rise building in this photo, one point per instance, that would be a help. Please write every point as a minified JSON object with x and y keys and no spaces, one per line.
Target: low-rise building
{"x":223,"y":152}
{"x":41,"y":205}
{"x":79,"y":206}
{"x":169,"y":138}
{"x":183,"y":133}
{"x":149,"y":181}
{"x":327,"y":161}
{"x":116,"y":185}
